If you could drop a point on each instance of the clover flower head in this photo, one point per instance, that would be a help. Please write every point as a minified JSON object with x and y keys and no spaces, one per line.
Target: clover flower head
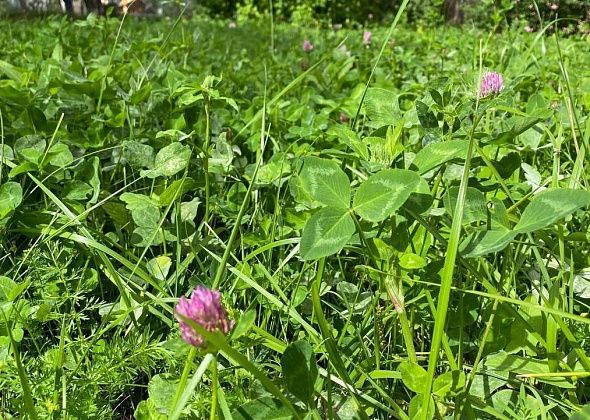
{"x":205,"y":309}
{"x":307,"y":45}
{"x":367,"y":35}
{"x":491,"y":84}
{"x":232,"y":25}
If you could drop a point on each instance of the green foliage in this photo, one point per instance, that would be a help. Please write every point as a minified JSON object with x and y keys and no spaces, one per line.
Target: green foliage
{"x":131,"y":171}
{"x":300,"y":370}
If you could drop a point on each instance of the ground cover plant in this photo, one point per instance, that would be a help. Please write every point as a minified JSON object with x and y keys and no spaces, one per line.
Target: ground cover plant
{"x":396,"y":221}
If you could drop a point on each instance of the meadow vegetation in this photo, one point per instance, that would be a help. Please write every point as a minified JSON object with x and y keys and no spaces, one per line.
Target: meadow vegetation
{"x":388,"y":239}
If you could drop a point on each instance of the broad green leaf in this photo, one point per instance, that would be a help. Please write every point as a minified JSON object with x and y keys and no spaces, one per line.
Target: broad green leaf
{"x":420,"y":201}
{"x":175,"y":190}
{"x":581,"y":286}
{"x":11,"y":195}
{"x":7,"y":286}
{"x":436,"y":154}
{"x":89,"y":172}
{"x":325,"y":182}
{"x":147,"y":410}
{"x":383,"y":194}
{"x":30,"y":148}
{"x":485,"y":384}
{"x":148,"y":236}
{"x":483,"y":242}
{"x":59,"y":155}
{"x":222,"y":155}
{"x":159,"y":267}
{"x":161,"y":390}
{"x":10,"y":290}
{"x":6,"y":152}
{"x":413,"y":376}
{"x":411,"y":261}
{"x":584,"y":414}
{"x":300,"y":370}
{"x":416,"y":407}
{"x":265,"y":408}
{"x":170,"y":160}
{"x":11,"y":71}
{"x":549,"y":206}
{"x":141,"y":94}
{"x":138,"y":155}
{"x":350,"y":138}
{"x":449,"y":382}
{"x":426,"y":117}
{"x":146,"y":215}
{"x":382,"y":107}
{"x":519,"y":405}
{"x":523,"y":328}
{"x":475,"y":208}
{"x":188,"y":210}
{"x":137,"y":201}
{"x":77,"y":190}
{"x":244,"y":324}
{"x":22,"y":168}
{"x":326,"y":233}
{"x":519,"y":124}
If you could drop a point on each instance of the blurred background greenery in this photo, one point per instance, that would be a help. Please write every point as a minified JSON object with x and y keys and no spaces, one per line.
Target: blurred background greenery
{"x":571,"y":16}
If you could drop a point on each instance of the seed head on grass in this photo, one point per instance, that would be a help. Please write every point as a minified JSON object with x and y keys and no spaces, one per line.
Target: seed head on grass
{"x":205,"y":309}
{"x":491,"y":84}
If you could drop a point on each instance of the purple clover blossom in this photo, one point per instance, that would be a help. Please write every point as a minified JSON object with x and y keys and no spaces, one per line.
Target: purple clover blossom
{"x":307,"y":45}
{"x":491,"y":84}
{"x":205,"y":309}
{"x":367,"y":35}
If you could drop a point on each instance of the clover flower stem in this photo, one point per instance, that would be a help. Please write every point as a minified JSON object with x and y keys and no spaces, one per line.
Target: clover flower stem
{"x":214,"y":385}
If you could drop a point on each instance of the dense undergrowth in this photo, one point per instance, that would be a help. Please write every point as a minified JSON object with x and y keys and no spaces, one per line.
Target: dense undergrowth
{"x":332,"y":231}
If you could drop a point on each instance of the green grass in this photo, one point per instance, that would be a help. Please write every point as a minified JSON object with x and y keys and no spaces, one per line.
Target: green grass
{"x":388,"y":244}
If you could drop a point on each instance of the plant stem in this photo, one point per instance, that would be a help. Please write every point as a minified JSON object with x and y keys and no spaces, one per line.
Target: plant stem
{"x":214,"y":385}
{"x":206,"y":160}
{"x":27,"y":393}
{"x":447,"y":274}
{"x":397,"y":300}
{"x":184,"y":391}
{"x":183,"y":378}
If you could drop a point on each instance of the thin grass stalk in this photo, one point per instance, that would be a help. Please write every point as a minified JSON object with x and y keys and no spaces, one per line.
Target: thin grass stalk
{"x":449,"y":267}
{"x":214,"y":386}
{"x":22,"y":374}
{"x":186,"y":391}
{"x":329,"y":342}
{"x":242,"y":211}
